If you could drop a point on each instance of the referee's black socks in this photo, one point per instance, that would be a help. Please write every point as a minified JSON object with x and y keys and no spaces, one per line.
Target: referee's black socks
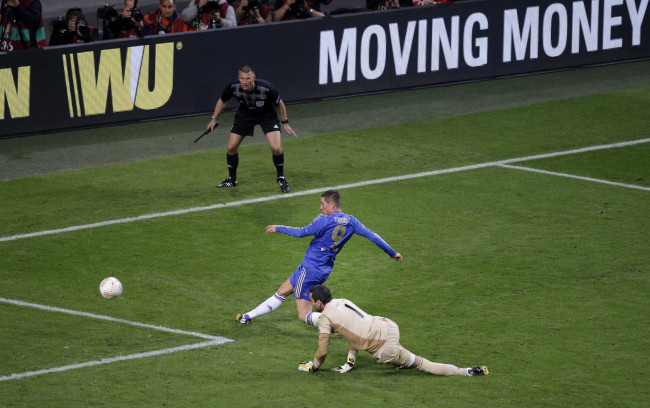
{"x":279,"y":164}
{"x":233,"y":162}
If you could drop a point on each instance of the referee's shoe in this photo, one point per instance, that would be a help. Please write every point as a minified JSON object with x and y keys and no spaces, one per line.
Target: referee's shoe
{"x":284,"y":186}
{"x":229,"y":182}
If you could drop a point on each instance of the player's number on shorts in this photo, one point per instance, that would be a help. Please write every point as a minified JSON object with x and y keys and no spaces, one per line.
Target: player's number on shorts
{"x":337,"y":235}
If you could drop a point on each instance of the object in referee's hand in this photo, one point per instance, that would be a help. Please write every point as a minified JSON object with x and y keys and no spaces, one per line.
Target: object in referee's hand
{"x":206,"y":132}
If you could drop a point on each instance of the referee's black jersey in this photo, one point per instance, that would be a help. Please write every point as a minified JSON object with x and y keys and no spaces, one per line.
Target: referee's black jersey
{"x":257,"y":104}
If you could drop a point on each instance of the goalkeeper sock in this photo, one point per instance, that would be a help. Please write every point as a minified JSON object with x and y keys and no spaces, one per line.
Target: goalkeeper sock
{"x":312,"y":318}
{"x":267,"y":306}
{"x":441,"y":369}
{"x":233,"y":162}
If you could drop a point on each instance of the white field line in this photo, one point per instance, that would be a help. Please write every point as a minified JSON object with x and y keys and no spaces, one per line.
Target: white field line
{"x":112,"y":319}
{"x":214,"y":341}
{"x":576,"y":151}
{"x":112,"y":360}
{"x":553,"y":173}
{"x":321,"y":189}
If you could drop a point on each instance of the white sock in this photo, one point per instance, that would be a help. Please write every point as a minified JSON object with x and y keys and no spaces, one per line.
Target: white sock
{"x":441,"y":368}
{"x":312,"y":318}
{"x":267,"y":306}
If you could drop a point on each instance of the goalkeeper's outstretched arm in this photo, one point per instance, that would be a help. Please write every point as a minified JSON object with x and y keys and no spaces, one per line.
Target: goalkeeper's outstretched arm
{"x":323,"y":346}
{"x":321,"y":354}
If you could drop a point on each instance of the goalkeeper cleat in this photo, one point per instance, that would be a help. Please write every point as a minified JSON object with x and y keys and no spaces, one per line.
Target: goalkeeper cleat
{"x":479,"y":370}
{"x":243,"y":318}
{"x":284,"y":186}
{"x":229,"y":182}
{"x":345,"y":367}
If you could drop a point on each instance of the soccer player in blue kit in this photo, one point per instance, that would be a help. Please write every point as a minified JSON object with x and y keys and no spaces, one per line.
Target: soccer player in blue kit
{"x":331,"y":230}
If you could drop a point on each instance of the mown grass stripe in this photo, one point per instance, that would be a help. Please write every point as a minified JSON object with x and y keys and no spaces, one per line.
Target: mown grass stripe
{"x":318,"y":190}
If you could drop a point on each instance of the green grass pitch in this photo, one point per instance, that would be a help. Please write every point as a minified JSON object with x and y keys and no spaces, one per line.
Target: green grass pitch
{"x":543,"y":278}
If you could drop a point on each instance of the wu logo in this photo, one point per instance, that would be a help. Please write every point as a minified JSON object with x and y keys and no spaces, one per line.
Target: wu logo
{"x":88,"y":85}
{"x":16,"y":94}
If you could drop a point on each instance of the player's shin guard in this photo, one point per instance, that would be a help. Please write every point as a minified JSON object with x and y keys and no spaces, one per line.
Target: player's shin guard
{"x":438,"y":368}
{"x":312,"y":318}
{"x":267,"y":306}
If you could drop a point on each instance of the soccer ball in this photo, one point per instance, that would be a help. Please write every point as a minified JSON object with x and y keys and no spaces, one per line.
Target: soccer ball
{"x":110,"y":288}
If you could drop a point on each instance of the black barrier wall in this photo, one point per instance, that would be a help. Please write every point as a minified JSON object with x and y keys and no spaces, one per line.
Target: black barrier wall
{"x":183,"y":74}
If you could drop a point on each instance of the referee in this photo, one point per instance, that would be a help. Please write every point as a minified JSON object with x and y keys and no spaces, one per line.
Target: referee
{"x":258,"y":100}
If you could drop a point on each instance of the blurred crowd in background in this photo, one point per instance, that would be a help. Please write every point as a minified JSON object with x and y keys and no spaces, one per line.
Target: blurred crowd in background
{"x":23,"y":25}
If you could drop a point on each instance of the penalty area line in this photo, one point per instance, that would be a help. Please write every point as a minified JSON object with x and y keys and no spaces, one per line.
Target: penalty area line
{"x":213,"y":341}
{"x":113,"y":319}
{"x":114,"y":359}
{"x":319,"y":190}
{"x":573,"y":176}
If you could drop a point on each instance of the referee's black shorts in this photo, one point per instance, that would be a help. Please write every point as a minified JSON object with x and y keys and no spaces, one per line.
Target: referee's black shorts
{"x":244,"y":126}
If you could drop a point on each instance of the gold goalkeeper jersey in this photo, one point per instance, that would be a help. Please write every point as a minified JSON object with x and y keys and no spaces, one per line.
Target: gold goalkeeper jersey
{"x":363,"y":331}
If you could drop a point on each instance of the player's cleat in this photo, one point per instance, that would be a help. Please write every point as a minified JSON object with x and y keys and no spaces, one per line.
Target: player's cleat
{"x":229,"y":182}
{"x":243,"y":318}
{"x":284,"y":186}
{"x":349,"y":365}
{"x":479,"y":370}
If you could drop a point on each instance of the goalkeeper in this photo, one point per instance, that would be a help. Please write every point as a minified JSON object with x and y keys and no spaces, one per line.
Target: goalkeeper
{"x":377,"y":335}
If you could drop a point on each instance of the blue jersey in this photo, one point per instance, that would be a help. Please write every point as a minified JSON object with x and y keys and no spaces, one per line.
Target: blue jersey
{"x":331,"y":232}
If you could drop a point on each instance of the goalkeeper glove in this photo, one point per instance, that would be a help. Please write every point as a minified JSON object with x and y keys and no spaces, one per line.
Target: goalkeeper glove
{"x":345,"y":367}
{"x":307,"y":366}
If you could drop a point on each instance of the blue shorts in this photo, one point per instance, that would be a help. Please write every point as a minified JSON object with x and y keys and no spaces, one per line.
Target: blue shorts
{"x":303,"y":280}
